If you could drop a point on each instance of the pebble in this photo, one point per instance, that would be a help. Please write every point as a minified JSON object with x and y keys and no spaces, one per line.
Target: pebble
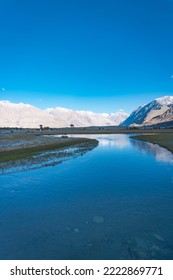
{"x":141,"y":243}
{"x":158,"y":237}
{"x":67,"y":228}
{"x":155,"y":247}
{"x":98,"y":219}
{"x":142,"y":254}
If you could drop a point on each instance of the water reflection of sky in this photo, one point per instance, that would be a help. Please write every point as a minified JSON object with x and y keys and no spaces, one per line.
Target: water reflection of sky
{"x":119,"y":142}
{"x":122,"y":141}
{"x":109,"y":140}
{"x":161,"y":154}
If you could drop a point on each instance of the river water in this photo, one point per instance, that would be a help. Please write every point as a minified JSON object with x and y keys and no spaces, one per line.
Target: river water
{"x":113,"y":202}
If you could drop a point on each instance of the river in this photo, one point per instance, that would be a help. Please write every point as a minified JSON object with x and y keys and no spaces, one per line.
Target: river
{"x":113,"y":202}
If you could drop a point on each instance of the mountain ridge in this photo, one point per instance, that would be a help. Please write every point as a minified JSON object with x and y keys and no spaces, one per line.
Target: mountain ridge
{"x":28,"y":116}
{"x":157,"y":111}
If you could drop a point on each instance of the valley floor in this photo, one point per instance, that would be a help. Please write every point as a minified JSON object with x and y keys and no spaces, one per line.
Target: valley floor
{"x":19,"y":144}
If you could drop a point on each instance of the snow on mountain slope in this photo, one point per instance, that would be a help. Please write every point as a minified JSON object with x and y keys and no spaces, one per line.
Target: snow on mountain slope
{"x":150,"y":114}
{"x":166,"y":100}
{"x":28,"y":116}
{"x":86,"y":118}
{"x":23,"y":115}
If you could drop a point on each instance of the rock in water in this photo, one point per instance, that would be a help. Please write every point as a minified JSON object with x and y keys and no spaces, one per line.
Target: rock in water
{"x":98,"y":219}
{"x":158,"y":237}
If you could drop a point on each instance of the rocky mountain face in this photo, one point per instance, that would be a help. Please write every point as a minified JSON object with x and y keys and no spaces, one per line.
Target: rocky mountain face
{"x":165,"y":117}
{"x":158,"y":111}
{"x":28,"y":116}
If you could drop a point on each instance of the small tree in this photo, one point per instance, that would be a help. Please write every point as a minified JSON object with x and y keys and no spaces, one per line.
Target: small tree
{"x":41,"y":127}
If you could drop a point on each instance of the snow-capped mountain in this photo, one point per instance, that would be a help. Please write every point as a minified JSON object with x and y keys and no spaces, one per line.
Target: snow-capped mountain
{"x":28,"y":116}
{"x":166,"y":100}
{"x":158,"y":111}
{"x":86,"y":118}
{"x":23,"y":115}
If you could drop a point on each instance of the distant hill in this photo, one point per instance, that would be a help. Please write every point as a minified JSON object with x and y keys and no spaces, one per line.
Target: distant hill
{"x":28,"y":116}
{"x":158,"y":111}
{"x":86,"y":118}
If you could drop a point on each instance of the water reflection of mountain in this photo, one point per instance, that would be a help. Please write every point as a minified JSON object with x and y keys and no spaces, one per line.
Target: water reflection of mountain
{"x":121,"y":141}
{"x":161,"y":154}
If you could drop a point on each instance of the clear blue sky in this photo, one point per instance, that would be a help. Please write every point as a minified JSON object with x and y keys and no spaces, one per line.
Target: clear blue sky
{"x":99,"y":55}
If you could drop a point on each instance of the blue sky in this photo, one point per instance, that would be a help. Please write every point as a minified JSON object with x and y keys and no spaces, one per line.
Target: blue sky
{"x":98,"y":55}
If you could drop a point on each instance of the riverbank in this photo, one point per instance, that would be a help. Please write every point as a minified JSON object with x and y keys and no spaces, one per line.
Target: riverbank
{"x":20,"y":146}
{"x":81,"y":130}
{"x":164,"y":140}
